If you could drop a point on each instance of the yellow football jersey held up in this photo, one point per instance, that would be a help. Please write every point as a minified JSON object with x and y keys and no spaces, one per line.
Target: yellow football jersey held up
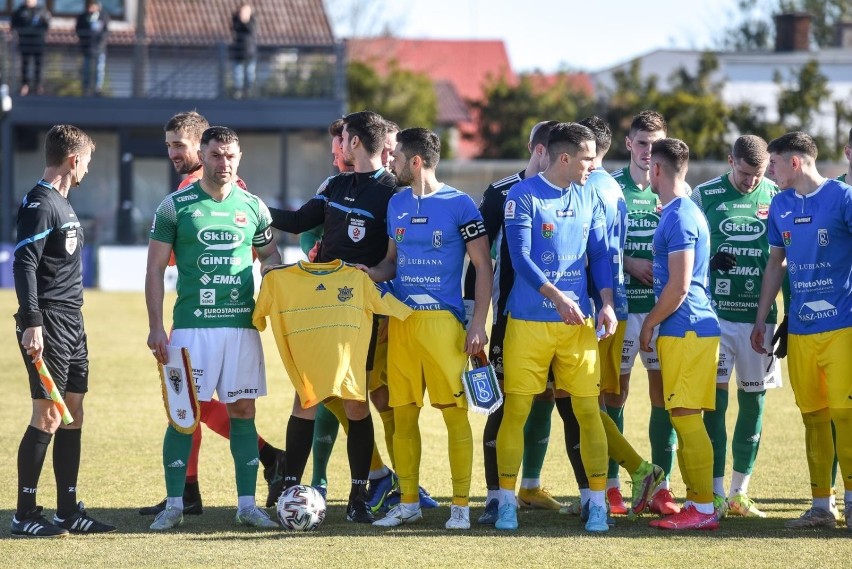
{"x":322,"y":318}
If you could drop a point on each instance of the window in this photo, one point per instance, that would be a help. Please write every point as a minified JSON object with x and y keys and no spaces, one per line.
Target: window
{"x":66,"y":8}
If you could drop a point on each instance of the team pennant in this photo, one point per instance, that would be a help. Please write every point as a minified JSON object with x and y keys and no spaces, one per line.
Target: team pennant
{"x":179,"y":394}
{"x":481,"y":387}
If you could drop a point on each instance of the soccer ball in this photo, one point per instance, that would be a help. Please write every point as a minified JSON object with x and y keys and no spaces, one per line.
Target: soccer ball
{"x":301,"y":508}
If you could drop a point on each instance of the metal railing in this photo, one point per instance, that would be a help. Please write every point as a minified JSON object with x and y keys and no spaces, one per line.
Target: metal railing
{"x":195,"y":69}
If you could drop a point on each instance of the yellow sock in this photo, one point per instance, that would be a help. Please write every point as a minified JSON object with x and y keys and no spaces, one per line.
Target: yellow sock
{"x":617,"y":446}
{"x":510,"y":438}
{"x":460,"y":446}
{"x":843,"y":425}
{"x":819,"y":447}
{"x":695,"y":457}
{"x":387,"y":421}
{"x":406,"y":443}
{"x":593,"y":445}
{"x":680,"y":463}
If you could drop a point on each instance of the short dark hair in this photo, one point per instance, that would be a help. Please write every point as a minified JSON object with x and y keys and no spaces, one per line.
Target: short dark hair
{"x":420,"y":142}
{"x":63,"y":140}
{"x":649,"y":121}
{"x":673,"y":152}
{"x":369,"y":127}
{"x":794,"y":142}
{"x":603,"y":135}
{"x":190,"y":124}
{"x":391,"y":126}
{"x":567,"y":137}
{"x":221,"y":134}
{"x":336,"y":128}
{"x":750,"y":149}
{"x":540,"y":132}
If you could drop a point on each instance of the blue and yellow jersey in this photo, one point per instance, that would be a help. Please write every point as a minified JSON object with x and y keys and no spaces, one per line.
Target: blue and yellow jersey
{"x":816,"y":233}
{"x":431,"y":235}
{"x":683,"y":227}
{"x":612,"y":200}
{"x":550,"y":230}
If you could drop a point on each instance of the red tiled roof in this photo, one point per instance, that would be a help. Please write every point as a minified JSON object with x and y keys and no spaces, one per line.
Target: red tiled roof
{"x":465,"y":64}
{"x":206,"y":22}
{"x":451,"y":108}
{"x":576,"y":82}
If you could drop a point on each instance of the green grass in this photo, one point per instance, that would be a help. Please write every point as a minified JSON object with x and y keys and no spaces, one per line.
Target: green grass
{"x":122,"y":471}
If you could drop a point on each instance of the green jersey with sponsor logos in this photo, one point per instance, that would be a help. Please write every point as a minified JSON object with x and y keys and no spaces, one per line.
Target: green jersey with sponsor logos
{"x":737,"y":226}
{"x":212,"y":242}
{"x":643,"y":215}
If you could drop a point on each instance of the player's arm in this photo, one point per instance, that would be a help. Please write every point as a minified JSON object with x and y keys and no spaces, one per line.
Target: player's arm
{"x":311,"y":214}
{"x":773,"y":276}
{"x":480,"y":258}
{"x":492,"y":218}
{"x":33,"y":226}
{"x":159,"y":253}
{"x":600,"y":266}
{"x":671,"y":297}
{"x":385,"y":270}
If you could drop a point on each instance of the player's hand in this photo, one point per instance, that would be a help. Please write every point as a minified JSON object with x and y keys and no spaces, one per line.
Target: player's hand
{"x":607,"y":322}
{"x":779,"y":340}
{"x":364,"y":268}
{"x":157,"y":341}
{"x":758,"y":337}
{"x":723,"y":261}
{"x":569,"y":312}
{"x":312,"y":254}
{"x":645,"y":335}
{"x":475,"y":340}
{"x":33,"y":342}
{"x":640,"y":269}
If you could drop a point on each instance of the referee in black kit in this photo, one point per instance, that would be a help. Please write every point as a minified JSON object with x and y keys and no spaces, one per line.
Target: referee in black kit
{"x":49,"y":325}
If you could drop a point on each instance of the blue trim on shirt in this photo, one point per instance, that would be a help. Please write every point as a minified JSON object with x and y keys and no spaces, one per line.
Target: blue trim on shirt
{"x":34,"y":238}
{"x":355,"y":210}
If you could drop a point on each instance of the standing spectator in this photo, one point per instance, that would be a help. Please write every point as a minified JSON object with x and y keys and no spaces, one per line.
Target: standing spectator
{"x":92,"y":29}
{"x":31,"y":22}
{"x":244,"y":50}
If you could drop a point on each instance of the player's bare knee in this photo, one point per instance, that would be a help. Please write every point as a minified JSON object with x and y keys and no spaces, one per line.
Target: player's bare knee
{"x":356,"y":410}
{"x":241,"y":409}
{"x":380,"y":399}
{"x":45,"y":416}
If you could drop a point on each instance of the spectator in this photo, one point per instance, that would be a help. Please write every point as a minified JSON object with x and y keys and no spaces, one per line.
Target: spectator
{"x":31,"y":22}
{"x":244,"y":50}
{"x":92,"y":29}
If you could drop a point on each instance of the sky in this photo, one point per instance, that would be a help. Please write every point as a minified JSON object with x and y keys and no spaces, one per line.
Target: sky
{"x":547,"y":35}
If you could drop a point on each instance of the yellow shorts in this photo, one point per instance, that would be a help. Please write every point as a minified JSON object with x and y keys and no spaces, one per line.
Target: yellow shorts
{"x":610,"y":356}
{"x":426,"y":351}
{"x":820,"y":367}
{"x":533,"y":347}
{"x":688,"y":366}
{"x":379,"y":373}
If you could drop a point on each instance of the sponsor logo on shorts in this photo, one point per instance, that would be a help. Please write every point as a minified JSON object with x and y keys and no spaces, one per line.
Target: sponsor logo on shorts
{"x":239,"y":392}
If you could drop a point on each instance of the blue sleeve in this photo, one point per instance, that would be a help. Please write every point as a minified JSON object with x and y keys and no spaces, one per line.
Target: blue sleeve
{"x":773,"y":235}
{"x":847,"y":207}
{"x":518,"y":221}
{"x":597,"y":250}
{"x":682,"y":233}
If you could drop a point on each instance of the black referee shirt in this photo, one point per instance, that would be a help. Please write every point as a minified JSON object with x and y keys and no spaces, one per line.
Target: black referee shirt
{"x":47,"y":265}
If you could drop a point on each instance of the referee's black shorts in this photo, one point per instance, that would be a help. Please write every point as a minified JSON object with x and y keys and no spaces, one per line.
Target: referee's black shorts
{"x":66,"y":354}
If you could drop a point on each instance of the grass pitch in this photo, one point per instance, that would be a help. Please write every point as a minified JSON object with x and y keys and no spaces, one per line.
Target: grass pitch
{"x":121,"y":471}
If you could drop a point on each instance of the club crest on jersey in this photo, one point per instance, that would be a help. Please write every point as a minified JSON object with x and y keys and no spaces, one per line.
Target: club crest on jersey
{"x":822,"y":236}
{"x":356,"y":230}
{"x":788,"y":238}
{"x":71,"y":241}
{"x":762,"y":211}
{"x":547,"y":230}
{"x":240,"y":219}
{"x":344,"y":293}
{"x":437,"y":239}
{"x":175,"y":380}
{"x":399,"y":235}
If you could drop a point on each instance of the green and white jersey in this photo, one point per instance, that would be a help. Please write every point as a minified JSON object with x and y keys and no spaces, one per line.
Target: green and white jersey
{"x":737,"y":226}
{"x":643,"y":215}
{"x":212,"y":242}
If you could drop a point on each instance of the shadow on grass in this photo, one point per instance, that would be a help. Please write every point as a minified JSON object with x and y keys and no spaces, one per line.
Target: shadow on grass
{"x":217,"y":523}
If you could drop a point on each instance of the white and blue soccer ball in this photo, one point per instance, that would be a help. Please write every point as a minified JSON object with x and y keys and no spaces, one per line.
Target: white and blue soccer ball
{"x":301,"y":508}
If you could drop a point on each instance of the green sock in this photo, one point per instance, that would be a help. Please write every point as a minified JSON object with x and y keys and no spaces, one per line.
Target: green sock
{"x":244,"y":451}
{"x":714,"y":422}
{"x":325,"y":433}
{"x":746,"y":440}
{"x":536,"y":437}
{"x":663,"y":439}
{"x":176,"y":447}
{"x":617,"y":416}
